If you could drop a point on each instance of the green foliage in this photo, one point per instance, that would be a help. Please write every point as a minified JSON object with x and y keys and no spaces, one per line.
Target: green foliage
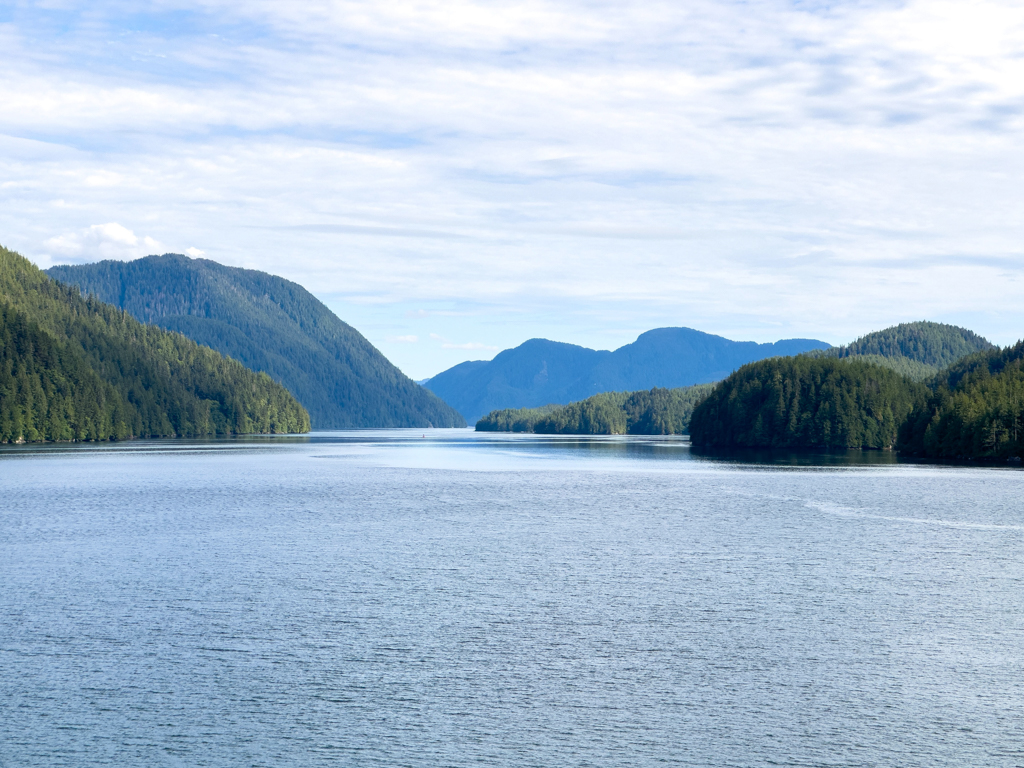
{"x":77,"y":368}
{"x":912,"y":369}
{"x":598,"y":415}
{"x":273,"y":325}
{"x":975,"y":412}
{"x":805,"y":402}
{"x":654,"y":412}
{"x":663,"y":411}
{"x":934,"y":344}
{"x":47,"y":391}
{"x":540,"y":371}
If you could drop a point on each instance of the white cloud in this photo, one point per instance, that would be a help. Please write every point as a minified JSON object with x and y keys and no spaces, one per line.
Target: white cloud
{"x":724,"y":165}
{"x":99,"y":241}
{"x":195,"y":253}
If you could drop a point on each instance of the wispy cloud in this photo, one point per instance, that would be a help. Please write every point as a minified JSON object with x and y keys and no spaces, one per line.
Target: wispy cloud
{"x":588,"y":166}
{"x":472,"y":345}
{"x":469,"y":345}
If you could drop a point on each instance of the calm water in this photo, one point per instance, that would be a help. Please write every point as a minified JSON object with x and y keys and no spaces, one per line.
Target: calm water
{"x":387,"y":599}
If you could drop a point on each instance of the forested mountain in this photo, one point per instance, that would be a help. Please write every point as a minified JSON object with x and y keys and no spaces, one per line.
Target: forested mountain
{"x":973,"y":409}
{"x":976,"y":410}
{"x":539,"y":372}
{"x":654,"y":412}
{"x":77,"y":368}
{"x":934,"y":344}
{"x":916,"y":350}
{"x":270,"y":324}
{"x":806,"y":402}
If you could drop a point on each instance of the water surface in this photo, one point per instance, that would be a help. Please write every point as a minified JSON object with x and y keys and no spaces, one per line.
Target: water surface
{"x":445,"y":598}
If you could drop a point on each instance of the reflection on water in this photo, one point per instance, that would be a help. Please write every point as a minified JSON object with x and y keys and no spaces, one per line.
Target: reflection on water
{"x":788,"y":458}
{"x":639,"y":447}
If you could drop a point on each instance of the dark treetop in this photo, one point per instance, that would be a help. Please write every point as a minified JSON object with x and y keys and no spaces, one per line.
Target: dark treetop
{"x":271,"y":325}
{"x":77,"y":368}
{"x":539,"y":372}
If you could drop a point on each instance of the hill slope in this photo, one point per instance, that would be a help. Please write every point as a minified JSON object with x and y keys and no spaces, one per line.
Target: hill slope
{"x":74,"y":368}
{"x":870,"y":394}
{"x":539,"y":372}
{"x":935,"y":344}
{"x":916,"y":350}
{"x":270,"y":324}
{"x":975,"y":412}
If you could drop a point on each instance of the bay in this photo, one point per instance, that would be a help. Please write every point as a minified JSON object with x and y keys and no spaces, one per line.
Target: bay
{"x":444,"y":598}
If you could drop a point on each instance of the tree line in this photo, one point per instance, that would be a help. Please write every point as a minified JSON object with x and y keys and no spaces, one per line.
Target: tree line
{"x":658,"y":411}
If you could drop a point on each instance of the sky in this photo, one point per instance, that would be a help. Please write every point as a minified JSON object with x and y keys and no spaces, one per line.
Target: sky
{"x":454,"y":178}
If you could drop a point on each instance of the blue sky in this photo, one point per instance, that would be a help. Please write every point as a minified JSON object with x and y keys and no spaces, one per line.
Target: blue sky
{"x":453,"y":178}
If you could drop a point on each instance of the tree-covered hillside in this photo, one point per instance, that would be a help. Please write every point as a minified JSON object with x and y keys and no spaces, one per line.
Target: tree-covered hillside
{"x":934,"y":344}
{"x":904,"y":366}
{"x":48,"y":391}
{"x":805,"y":402}
{"x":77,"y":368}
{"x":654,"y":412}
{"x":976,"y":410}
{"x":972,"y":409}
{"x":270,"y":324}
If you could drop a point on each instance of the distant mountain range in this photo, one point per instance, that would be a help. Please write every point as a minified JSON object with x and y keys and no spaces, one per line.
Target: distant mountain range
{"x":269,"y":324}
{"x":847,"y":401}
{"x":540,"y":372}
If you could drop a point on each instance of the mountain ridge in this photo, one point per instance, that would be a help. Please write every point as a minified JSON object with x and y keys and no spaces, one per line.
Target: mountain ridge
{"x":540,"y":372}
{"x":273,"y":325}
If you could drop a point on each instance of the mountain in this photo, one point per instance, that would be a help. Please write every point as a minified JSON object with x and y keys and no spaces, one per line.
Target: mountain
{"x":269,"y":324}
{"x":539,"y":372}
{"x":74,"y":368}
{"x":916,"y":350}
{"x":935,"y":344}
